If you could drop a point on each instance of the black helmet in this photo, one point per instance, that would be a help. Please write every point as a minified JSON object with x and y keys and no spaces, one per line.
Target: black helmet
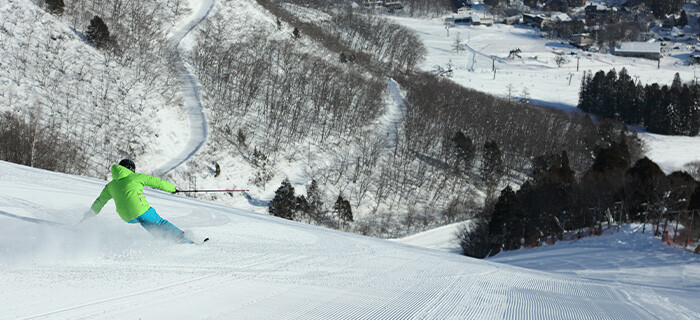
{"x":127,"y":163}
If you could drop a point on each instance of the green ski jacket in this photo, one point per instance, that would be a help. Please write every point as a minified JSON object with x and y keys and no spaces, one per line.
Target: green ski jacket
{"x":126,"y":188}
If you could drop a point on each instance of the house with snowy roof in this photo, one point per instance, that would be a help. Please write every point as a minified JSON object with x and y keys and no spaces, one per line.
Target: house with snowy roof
{"x":649,"y":50}
{"x":464,"y":10}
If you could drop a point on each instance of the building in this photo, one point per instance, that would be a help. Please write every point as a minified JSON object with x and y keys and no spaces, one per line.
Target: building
{"x":462,"y":19}
{"x":581,"y":40}
{"x":486,"y":21}
{"x":512,"y":20}
{"x":532,"y":20}
{"x":649,"y":50}
{"x":389,"y":4}
{"x":596,"y":12}
{"x":694,"y":58}
{"x":560,"y":17}
{"x":393,"y":5}
{"x":464,"y":10}
{"x":373,"y":3}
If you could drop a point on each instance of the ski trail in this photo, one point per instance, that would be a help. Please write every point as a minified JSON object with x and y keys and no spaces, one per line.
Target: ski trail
{"x":191,"y":92}
{"x":394,"y":113}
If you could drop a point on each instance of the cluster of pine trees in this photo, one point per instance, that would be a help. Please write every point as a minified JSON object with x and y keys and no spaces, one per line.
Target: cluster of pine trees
{"x":554,"y":200}
{"x":309,"y":208}
{"x":673,"y":110}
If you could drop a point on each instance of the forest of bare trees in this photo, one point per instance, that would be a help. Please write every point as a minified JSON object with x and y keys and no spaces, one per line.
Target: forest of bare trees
{"x":269,"y":97}
{"x":98,"y":102}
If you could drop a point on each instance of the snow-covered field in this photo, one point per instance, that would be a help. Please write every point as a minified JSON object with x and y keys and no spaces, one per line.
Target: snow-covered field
{"x":261,"y":267}
{"x":536,"y":76}
{"x":535,"y":71}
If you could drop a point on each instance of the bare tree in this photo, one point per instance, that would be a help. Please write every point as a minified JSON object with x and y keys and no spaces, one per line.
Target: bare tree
{"x":561,"y":60}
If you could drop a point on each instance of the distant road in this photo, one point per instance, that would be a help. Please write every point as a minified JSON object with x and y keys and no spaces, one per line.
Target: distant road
{"x":190,"y":91}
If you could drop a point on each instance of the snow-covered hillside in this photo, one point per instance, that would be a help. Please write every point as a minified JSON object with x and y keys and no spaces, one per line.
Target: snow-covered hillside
{"x":260,"y":267}
{"x":109,"y":109}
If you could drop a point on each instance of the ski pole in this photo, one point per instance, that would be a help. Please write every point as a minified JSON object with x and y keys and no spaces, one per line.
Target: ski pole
{"x":193,"y":191}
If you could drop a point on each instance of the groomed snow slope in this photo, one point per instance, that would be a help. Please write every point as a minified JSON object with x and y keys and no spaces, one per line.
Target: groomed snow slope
{"x":260,"y":267}
{"x":630,"y":257}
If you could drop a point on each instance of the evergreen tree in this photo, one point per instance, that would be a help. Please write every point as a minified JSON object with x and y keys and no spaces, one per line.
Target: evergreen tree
{"x":505,"y":229}
{"x":609,"y":159}
{"x":552,"y":169}
{"x":474,"y":239}
{"x":314,"y":198}
{"x":464,"y":152}
{"x":694,"y":203}
{"x":664,"y":110}
{"x":677,"y":190}
{"x":343,"y":210}
{"x":295,"y":34}
{"x":585,"y":99}
{"x":609,"y":105}
{"x":98,"y":34}
{"x":55,"y":6}
{"x":302,"y":207}
{"x":643,"y":184}
{"x":552,"y":190}
{"x":685,"y":102}
{"x":661,"y":8}
{"x":598,"y":91}
{"x":677,"y":83}
{"x":627,"y":105}
{"x":655,"y":115}
{"x":283,"y":204}
{"x":492,"y":167}
{"x":683,"y":20}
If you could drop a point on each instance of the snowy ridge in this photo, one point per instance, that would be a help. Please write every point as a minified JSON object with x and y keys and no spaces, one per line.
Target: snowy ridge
{"x":261,"y":267}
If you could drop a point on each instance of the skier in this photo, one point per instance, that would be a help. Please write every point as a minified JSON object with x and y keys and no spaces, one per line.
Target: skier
{"x":126,"y":188}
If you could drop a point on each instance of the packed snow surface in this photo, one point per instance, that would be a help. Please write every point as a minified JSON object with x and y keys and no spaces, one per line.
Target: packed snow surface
{"x":261,"y":267}
{"x":441,"y":238}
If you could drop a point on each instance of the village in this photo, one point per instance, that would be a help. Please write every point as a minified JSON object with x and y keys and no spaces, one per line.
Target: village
{"x":595,"y":26}
{"x":626,"y":28}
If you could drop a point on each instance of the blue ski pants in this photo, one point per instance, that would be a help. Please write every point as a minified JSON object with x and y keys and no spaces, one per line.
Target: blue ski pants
{"x":160,"y":227}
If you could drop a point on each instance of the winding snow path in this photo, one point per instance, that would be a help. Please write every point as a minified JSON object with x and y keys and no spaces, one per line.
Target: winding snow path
{"x":191,"y":91}
{"x":394,"y":113}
